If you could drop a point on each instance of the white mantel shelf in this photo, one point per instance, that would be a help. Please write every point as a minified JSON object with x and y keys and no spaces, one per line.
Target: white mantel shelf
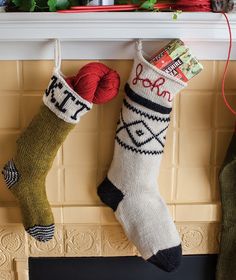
{"x":111,"y":35}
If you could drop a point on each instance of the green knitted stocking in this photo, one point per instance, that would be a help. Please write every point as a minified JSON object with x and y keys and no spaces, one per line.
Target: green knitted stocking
{"x":36,"y":149}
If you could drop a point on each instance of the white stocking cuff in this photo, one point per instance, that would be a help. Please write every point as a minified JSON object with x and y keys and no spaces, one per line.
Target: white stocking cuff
{"x":64,"y":101}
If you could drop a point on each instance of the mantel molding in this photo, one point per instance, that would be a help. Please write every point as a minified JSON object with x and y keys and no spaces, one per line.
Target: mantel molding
{"x":29,"y":35}
{"x":114,"y":26}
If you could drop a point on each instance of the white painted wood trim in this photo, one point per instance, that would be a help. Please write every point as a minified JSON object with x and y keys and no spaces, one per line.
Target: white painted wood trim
{"x":110,"y":35}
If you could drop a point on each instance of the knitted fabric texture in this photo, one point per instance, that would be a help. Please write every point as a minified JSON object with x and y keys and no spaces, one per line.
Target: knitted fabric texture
{"x":36,"y":149}
{"x":227,"y":257}
{"x":96,"y":83}
{"x":222,"y":5}
{"x":64,"y":102}
{"x":130,"y":187}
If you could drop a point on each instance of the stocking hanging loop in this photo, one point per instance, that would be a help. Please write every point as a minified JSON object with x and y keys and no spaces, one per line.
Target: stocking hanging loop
{"x":57,"y":55}
{"x":139,"y":45}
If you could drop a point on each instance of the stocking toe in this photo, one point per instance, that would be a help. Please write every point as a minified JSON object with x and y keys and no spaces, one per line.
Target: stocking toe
{"x":167,"y":259}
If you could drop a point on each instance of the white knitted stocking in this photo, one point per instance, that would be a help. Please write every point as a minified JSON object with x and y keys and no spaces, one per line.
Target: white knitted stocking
{"x":130,"y":187}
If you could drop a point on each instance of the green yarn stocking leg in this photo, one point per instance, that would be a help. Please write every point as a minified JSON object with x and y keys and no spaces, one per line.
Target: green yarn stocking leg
{"x":226,"y":267}
{"x":36,"y":149}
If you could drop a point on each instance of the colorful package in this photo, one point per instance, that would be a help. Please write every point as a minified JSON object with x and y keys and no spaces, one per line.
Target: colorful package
{"x":176,"y":59}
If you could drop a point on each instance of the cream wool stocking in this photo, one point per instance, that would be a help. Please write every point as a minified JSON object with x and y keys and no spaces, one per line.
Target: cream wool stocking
{"x":130,"y":187}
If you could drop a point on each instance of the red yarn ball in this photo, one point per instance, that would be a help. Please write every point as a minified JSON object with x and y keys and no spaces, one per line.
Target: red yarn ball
{"x":96,"y":83}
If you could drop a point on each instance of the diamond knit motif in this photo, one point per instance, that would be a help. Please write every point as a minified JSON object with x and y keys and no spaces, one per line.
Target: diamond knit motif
{"x":140,"y":134}
{"x":131,"y":188}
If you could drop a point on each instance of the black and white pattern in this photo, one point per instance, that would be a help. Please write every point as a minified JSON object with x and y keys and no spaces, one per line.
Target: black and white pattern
{"x":130,"y":188}
{"x":65,"y":102}
{"x":141,"y":132}
{"x":42,"y":233}
{"x":10,"y":174}
{"x":145,"y":114}
{"x":156,"y":107}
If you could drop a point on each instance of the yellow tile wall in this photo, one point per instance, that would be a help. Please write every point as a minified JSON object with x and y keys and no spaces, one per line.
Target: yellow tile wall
{"x":197,"y":139}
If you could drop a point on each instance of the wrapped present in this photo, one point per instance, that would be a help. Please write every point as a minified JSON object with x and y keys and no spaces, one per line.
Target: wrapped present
{"x":177,"y":60}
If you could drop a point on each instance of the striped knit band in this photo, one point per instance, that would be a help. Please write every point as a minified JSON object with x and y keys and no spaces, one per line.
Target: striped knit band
{"x":42,"y":233}
{"x":63,"y":101}
{"x":145,"y":102}
{"x":10,"y":174}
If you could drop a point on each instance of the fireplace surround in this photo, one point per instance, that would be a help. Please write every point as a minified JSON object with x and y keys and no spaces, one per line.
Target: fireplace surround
{"x":84,"y":227}
{"x":197,"y":267}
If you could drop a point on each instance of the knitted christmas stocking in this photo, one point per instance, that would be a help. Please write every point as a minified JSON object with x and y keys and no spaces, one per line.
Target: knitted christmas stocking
{"x":227,"y":258}
{"x":130,"y":187}
{"x":37,"y":146}
{"x":36,"y":149}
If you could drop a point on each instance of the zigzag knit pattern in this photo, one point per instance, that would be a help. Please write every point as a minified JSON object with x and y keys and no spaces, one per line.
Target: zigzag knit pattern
{"x":137,"y":130}
{"x":130,"y":187}
{"x":146,"y":115}
{"x":142,"y":152}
